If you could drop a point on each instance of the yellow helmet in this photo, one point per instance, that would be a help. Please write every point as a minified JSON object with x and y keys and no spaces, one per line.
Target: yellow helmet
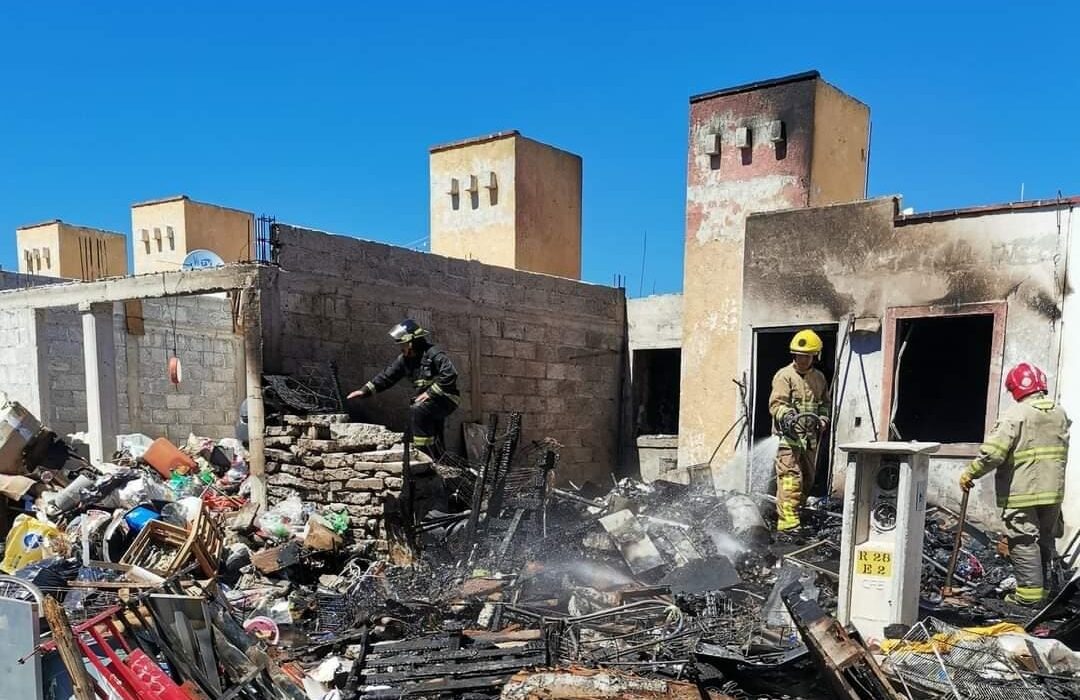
{"x":806,"y":342}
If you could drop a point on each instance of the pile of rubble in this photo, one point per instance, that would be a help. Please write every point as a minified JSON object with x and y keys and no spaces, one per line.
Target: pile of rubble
{"x":375,"y":573}
{"x":346,"y":467}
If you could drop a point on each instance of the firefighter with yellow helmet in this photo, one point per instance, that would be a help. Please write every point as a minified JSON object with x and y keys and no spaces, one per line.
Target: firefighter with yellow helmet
{"x":800,"y":408}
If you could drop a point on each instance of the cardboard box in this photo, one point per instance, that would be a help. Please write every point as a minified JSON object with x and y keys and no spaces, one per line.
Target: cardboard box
{"x":15,"y":487}
{"x":17,"y":427}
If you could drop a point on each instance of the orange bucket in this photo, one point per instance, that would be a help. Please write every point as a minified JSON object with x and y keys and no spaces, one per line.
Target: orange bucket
{"x":165,"y":457}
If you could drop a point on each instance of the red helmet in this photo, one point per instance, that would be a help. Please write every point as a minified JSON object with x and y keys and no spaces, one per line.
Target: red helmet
{"x":1024,"y":380}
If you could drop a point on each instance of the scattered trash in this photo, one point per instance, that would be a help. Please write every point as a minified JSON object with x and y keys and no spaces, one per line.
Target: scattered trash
{"x":511,"y":586}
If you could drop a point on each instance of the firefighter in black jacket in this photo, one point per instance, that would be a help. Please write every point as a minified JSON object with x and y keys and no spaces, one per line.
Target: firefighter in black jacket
{"x":434,"y":379}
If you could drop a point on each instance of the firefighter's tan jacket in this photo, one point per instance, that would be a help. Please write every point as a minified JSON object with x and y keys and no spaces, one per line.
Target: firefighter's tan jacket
{"x":805,"y":393}
{"x":1028,"y":447}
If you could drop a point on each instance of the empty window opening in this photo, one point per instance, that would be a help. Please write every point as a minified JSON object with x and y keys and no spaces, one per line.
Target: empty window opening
{"x":941,"y":378}
{"x":771,"y":353}
{"x":656,"y":391}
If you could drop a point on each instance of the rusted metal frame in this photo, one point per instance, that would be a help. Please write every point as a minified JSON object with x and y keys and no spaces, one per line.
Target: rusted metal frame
{"x":850,"y":669}
{"x":997,"y":309}
{"x":422,"y":668}
{"x":506,"y":460}
{"x":530,"y":647}
{"x":482,"y":477}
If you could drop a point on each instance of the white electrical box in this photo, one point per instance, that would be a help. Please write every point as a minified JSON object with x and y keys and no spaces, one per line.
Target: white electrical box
{"x":882,"y":540}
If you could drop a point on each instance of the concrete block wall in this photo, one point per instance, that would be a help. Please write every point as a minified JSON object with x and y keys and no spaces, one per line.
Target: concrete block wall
{"x":47,"y":347}
{"x":63,"y":368}
{"x":549,"y":347}
{"x":17,"y":356}
{"x":200,"y":330}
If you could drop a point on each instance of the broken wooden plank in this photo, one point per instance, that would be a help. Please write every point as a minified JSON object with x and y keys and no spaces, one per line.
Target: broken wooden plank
{"x":500,"y":637}
{"x":81,"y":685}
{"x":277,"y":558}
{"x":851,"y":670}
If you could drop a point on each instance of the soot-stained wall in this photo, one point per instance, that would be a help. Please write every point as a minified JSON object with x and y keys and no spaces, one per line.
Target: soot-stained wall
{"x":858,"y":260}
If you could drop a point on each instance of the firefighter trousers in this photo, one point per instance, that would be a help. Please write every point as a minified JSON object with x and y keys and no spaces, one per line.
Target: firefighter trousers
{"x":795,"y":470}
{"x":1032,"y":532}
{"x":428,"y":419}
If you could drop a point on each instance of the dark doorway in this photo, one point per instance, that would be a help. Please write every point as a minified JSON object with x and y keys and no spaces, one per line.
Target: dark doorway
{"x":943,"y":378}
{"x":656,"y":391}
{"x":771,"y":352}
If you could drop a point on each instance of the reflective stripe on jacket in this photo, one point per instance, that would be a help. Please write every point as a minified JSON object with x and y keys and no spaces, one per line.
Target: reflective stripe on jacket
{"x":803,"y":393}
{"x":1028,"y":446}
{"x":431,"y":371}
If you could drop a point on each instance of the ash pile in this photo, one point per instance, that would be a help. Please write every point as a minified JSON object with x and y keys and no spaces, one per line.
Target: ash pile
{"x":377,"y":573}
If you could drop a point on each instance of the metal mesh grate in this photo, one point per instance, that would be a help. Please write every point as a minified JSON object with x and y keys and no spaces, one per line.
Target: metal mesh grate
{"x":313,"y":388}
{"x":944,"y":661}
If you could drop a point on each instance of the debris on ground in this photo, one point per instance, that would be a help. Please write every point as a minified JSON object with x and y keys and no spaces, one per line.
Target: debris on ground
{"x":375,"y":572}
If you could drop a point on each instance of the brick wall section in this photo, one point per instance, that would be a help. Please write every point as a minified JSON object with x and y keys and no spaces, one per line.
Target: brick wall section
{"x":550,"y":347}
{"x":18,"y":361}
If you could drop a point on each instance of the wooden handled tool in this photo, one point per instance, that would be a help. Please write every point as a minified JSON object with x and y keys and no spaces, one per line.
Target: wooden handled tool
{"x":946,"y":590}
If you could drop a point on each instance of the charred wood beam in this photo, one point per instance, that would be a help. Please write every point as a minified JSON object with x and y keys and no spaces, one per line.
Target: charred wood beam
{"x":850,"y":669}
{"x":424,"y":669}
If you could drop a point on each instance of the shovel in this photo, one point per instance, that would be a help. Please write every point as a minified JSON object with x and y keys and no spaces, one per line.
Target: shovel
{"x":946,"y":590}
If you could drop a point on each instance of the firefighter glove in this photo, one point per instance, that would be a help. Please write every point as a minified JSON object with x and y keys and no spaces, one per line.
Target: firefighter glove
{"x":966,"y":481}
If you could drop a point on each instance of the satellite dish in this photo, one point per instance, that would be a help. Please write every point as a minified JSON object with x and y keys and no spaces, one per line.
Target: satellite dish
{"x":202,"y":259}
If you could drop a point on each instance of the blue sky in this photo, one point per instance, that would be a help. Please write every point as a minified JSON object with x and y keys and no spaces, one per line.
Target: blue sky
{"x":321,"y":113}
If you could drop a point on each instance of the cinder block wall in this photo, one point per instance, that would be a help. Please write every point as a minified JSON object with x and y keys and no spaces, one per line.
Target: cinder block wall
{"x":64,"y":371}
{"x":549,"y":347}
{"x":49,"y":346}
{"x":206,"y":402}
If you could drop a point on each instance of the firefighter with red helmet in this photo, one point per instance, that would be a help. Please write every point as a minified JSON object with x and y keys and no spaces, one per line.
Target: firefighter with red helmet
{"x":799,"y":394}
{"x":1028,"y":448}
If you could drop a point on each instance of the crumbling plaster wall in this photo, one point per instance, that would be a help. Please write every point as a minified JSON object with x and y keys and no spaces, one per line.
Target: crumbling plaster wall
{"x":720,"y":192}
{"x":654,"y":322}
{"x":831,"y":263}
{"x":478,"y":226}
{"x":821,"y":159}
{"x":550,"y":347}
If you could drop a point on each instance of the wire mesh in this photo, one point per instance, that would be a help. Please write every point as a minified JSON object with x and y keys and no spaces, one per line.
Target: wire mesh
{"x":940,"y":660}
{"x":312,"y":388}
